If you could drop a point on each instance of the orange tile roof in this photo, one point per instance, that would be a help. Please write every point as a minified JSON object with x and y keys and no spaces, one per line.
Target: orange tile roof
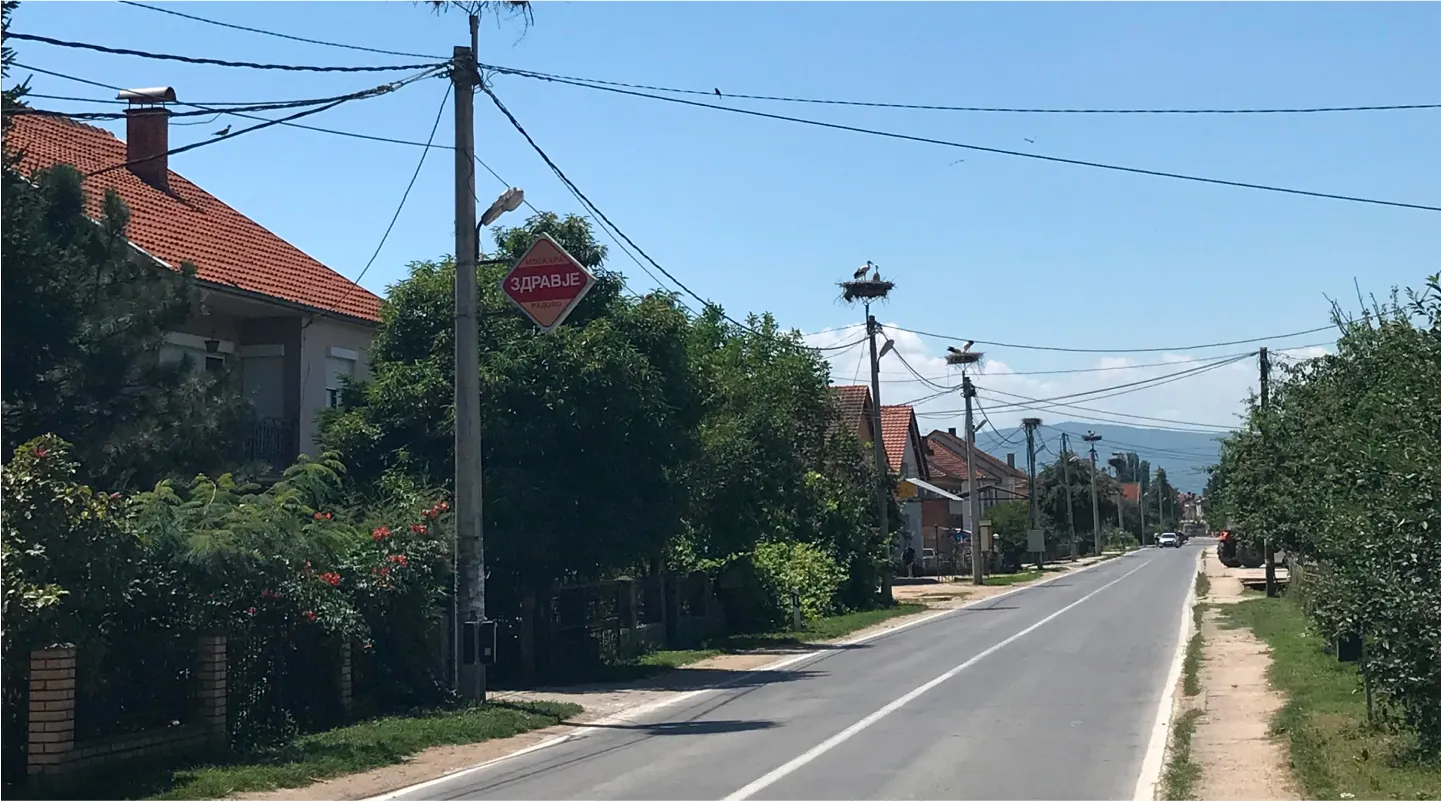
{"x":896,"y":431}
{"x":943,"y":461}
{"x":188,"y":224}
{"x":987,"y":466}
{"x":852,"y":403}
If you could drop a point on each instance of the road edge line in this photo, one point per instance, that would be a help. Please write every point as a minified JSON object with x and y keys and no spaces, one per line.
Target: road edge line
{"x":626,"y":715}
{"x":1155,"y":760}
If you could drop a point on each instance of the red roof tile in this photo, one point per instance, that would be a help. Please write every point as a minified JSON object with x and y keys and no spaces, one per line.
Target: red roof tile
{"x":987,"y":466}
{"x":945,"y":462}
{"x":188,"y":224}
{"x":896,"y":422}
{"x":853,"y":403}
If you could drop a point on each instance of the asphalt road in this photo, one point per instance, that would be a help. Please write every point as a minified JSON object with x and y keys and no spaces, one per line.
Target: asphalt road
{"x":1050,"y":692}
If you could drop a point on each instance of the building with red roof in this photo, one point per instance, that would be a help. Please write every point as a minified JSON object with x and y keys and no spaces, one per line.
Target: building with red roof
{"x":290,"y":327}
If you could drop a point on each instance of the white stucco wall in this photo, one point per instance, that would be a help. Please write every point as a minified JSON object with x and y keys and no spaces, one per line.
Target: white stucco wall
{"x":322,"y":340}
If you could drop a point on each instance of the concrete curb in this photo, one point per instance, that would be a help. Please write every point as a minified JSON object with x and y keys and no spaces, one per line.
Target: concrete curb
{"x":1159,"y":751}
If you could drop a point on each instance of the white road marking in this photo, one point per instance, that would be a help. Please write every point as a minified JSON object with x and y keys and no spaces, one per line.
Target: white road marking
{"x":628,"y":715}
{"x":1154,"y":761}
{"x":869,"y":720}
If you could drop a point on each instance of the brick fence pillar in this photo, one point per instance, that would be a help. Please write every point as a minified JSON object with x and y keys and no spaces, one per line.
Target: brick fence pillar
{"x":344,"y":683}
{"x":213,"y":691}
{"x":50,"y":735}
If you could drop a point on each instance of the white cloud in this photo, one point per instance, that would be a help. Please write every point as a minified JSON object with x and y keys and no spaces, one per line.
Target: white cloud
{"x":1212,"y":397}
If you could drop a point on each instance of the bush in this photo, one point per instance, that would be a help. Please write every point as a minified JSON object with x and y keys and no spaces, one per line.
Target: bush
{"x":786,"y":566}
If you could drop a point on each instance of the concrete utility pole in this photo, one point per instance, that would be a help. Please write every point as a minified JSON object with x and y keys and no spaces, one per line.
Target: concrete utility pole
{"x":470,"y":548}
{"x":1030,"y":424}
{"x":977,"y":555}
{"x":883,"y":469}
{"x":1070,"y":507}
{"x":1092,"y":438}
{"x":1266,"y":552}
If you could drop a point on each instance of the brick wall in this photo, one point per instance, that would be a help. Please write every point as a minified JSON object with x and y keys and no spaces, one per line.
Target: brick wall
{"x":51,"y":749}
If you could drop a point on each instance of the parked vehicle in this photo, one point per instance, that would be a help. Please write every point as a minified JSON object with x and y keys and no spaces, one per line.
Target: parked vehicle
{"x":1168,"y":539}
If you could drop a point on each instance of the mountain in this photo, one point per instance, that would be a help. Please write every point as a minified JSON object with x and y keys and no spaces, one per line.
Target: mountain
{"x":1183,"y":454}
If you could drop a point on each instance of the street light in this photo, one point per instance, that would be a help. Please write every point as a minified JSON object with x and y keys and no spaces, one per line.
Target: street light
{"x":509,"y":200}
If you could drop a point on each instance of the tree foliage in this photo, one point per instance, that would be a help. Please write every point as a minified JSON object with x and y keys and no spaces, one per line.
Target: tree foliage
{"x":629,"y":434}
{"x":1343,"y":470}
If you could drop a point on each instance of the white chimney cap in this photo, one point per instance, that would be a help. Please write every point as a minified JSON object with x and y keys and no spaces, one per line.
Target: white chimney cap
{"x":155,"y":94}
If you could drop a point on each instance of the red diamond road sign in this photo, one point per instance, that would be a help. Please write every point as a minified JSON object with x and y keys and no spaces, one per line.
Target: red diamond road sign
{"x":547,"y":283}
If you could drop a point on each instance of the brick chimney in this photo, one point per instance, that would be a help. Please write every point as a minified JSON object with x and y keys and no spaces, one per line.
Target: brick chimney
{"x":147,"y":134}
{"x":1011,"y":460}
{"x":951,"y":431}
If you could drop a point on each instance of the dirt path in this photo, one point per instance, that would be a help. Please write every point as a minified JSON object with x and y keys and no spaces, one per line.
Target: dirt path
{"x":601,"y":702}
{"x":1232,"y":744}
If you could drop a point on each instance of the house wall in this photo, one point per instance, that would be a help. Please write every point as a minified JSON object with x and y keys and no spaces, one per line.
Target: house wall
{"x":324,"y":343}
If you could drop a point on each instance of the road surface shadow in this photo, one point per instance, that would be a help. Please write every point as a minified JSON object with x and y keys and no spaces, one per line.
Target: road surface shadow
{"x":682,"y":680}
{"x":683,"y":726}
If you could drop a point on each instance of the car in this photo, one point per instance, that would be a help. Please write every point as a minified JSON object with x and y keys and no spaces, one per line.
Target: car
{"x":1168,"y":539}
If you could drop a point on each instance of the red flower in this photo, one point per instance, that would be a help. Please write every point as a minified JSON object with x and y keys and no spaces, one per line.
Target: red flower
{"x":399,"y":559}
{"x":114,"y":496}
{"x":309,"y":615}
{"x":416,"y":528}
{"x":333,"y":579}
{"x":251,"y":610}
{"x":41,"y":453}
{"x":431,"y":513}
{"x":380,"y":533}
{"x":385,"y":571}
{"x":307,"y":566}
{"x":323,"y":516}
{"x":444,"y":507}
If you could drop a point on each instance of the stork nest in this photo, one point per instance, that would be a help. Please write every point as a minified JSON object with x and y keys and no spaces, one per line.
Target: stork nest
{"x":964,"y":359}
{"x":865,"y":289}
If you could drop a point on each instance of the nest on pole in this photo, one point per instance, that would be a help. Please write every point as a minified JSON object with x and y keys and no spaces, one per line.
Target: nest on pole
{"x":963,"y":358}
{"x":1031,"y":421}
{"x":865,"y":289}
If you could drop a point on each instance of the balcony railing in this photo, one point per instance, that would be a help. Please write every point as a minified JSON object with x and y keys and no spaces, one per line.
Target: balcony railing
{"x":272,"y":442}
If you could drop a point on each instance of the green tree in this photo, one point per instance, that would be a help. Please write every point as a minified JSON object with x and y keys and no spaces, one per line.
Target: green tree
{"x":587,"y":431}
{"x":1051,"y":497}
{"x":84,"y":316}
{"x":1009,"y":523}
{"x":1341,"y":471}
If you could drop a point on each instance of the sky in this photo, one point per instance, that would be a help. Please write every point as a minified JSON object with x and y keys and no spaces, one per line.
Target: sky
{"x":764,"y":215}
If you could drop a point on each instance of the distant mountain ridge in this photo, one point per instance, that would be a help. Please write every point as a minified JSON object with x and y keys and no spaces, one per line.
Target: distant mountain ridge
{"x":1183,"y":454}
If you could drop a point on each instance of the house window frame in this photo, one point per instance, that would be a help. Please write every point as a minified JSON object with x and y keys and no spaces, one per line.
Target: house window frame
{"x":194,"y":346}
{"x":333,"y":385}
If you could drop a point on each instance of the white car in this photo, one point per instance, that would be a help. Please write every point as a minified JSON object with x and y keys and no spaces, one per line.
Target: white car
{"x":1168,"y":539}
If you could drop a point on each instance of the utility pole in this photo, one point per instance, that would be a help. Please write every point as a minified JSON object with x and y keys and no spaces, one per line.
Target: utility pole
{"x":977,"y":555}
{"x":1030,"y":424}
{"x":1092,"y":438}
{"x":883,"y":469}
{"x":1070,"y":509}
{"x":1266,"y":552}
{"x":470,"y":548}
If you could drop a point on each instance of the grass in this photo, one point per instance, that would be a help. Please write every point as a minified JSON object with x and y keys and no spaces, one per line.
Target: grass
{"x":1181,"y":774}
{"x":1335,"y":753}
{"x":1195,"y":648}
{"x":314,"y":757}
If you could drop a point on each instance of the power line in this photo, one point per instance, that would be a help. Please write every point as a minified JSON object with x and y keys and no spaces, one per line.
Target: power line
{"x":1080,"y":369}
{"x":403,"y":197}
{"x":121,"y":51}
{"x":934,"y":107}
{"x":274,"y":33}
{"x":382,"y":89}
{"x":1118,"y":414}
{"x":1060,"y":349}
{"x":980,"y":148}
{"x":201,"y":112}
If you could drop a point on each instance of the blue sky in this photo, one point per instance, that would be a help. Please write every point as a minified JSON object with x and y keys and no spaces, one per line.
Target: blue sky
{"x":762,"y":215}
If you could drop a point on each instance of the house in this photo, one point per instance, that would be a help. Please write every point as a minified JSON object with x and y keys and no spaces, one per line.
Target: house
{"x":855,"y":410}
{"x":997,"y":480}
{"x":289,"y":327}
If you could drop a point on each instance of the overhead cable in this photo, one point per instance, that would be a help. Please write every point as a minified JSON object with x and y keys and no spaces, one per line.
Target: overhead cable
{"x":247,"y":29}
{"x":122,"y":51}
{"x":1118,"y":414}
{"x":1062,"y":349}
{"x":935,"y":107}
{"x":983,"y":149}
{"x":379,"y":90}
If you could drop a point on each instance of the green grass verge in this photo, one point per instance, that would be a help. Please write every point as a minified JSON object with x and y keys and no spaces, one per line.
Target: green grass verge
{"x":324,"y":755}
{"x":1335,"y":753}
{"x":1195,"y":647}
{"x":1179,"y":779}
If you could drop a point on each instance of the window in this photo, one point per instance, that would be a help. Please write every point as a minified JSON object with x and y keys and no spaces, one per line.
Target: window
{"x":338,"y":370}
